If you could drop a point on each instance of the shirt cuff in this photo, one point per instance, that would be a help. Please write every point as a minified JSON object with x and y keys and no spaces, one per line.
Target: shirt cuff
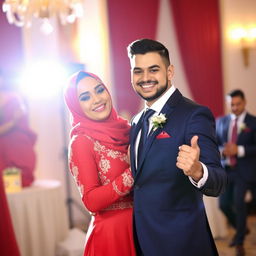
{"x":240,"y":151}
{"x":202,"y":181}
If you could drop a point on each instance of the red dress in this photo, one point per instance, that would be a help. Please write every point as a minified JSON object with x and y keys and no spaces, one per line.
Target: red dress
{"x":8,"y":245}
{"x":104,"y":180}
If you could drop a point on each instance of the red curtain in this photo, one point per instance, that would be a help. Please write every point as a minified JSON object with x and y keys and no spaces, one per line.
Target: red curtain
{"x":128,"y":21}
{"x":197,"y":25}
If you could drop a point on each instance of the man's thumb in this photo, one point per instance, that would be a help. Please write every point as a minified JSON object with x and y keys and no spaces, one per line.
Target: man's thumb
{"x":194,"y":141}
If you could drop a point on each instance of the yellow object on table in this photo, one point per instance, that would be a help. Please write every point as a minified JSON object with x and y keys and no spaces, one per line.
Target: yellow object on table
{"x":12,"y":180}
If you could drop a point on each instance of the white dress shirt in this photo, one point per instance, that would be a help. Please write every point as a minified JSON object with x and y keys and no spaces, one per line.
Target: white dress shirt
{"x":240,"y":124}
{"x":157,"y":107}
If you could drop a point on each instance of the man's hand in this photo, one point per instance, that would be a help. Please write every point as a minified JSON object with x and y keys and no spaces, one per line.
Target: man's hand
{"x":188,"y":160}
{"x":230,"y":149}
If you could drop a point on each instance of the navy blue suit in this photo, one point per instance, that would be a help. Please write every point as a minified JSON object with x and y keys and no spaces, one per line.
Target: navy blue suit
{"x":169,"y":213}
{"x":242,"y":176}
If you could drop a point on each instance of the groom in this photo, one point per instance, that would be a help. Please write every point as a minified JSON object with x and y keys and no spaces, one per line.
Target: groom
{"x":174,"y":162}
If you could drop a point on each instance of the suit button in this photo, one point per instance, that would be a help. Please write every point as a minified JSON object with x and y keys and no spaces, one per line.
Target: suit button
{"x":136,"y":187}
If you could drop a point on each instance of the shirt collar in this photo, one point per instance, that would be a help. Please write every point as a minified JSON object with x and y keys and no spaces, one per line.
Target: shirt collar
{"x":240,"y":118}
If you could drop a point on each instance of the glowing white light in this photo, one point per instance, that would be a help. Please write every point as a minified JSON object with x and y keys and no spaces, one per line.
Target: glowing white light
{"x":252,"y":33}
{"x":238,"y":33}
{"x":46,"y":27}
{"x":43,"y":79}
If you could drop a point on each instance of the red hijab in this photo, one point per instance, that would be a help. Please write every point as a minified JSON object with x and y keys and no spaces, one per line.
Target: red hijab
{"x":112,"y":132}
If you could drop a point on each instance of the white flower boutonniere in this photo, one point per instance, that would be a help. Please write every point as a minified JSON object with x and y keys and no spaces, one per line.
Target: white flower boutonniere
{"x":158,"y":121}
{"x":243,"y":128}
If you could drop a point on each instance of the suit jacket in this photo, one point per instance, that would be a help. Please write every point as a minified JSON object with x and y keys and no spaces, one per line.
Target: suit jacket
{"x":246,"y":165}
{"x":169,"y":212}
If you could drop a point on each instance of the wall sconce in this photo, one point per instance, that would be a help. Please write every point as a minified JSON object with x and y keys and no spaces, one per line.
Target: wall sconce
{"x":247,"y":39}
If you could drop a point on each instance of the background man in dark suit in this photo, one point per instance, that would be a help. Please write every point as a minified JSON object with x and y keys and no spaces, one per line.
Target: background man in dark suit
{"x":176,"y":164}
{"x":236,"y":136}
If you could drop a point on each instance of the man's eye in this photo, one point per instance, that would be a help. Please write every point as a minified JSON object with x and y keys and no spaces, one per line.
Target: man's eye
{"x":137,"y":71}
{"x":85,"y":98}
{"x":100,"y":90}
{"x":154,"y":70}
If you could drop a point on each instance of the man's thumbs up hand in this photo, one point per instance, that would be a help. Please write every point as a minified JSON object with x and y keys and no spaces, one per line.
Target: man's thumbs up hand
{"x":194,"y":143}
{"x":188,"y":159}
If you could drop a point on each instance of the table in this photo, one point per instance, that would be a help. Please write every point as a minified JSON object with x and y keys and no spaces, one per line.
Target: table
{"x":39,"y":217}
{"x":217,"y":220}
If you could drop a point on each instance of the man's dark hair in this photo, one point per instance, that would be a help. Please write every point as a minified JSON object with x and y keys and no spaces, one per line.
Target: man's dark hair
{"x":237,"y":93}
{"x":143,"y":46}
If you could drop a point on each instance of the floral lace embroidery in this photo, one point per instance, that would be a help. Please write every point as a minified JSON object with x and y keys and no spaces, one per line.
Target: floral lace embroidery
{"x":127,"y":179}
{"x":119,"y":206}
{"x":104,"y":163}
{"x":74,"y":171}
{"x":118,"y":191}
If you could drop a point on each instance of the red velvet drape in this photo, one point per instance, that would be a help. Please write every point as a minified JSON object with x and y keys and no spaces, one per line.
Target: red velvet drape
{"x":128,"y":21}
{"x":197,"y":26}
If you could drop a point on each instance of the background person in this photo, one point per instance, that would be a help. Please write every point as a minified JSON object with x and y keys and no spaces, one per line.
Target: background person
{"x":236,"y":136}
{"x":16,"y":138}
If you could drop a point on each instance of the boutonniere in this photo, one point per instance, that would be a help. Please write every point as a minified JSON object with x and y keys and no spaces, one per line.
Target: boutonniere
{"x":158,"y":121}
{"x":244,"y":128}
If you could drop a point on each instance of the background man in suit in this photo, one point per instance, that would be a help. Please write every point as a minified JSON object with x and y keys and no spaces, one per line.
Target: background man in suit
{"x":236,"y":136}
{"x":178,"y":162}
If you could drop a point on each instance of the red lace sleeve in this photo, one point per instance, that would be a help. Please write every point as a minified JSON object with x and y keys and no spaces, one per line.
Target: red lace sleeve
{"x":84,"y":169}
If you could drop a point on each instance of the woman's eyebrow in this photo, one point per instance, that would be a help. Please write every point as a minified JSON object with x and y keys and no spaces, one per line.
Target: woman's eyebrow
{"x":97,"y":86}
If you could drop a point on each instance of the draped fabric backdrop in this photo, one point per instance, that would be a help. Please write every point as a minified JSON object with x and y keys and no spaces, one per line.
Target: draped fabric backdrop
{"x":128,"y":21}
{"x":11,"y":50}
{"x":197,"y":26}
{"x":198,"y":33}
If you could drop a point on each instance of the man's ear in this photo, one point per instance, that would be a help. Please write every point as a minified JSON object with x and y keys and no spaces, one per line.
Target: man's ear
{"x":170,"y":72}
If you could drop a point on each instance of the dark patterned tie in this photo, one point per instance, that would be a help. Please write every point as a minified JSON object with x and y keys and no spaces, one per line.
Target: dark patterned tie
{"x":144,"y":132}
{"x":233,"y":139}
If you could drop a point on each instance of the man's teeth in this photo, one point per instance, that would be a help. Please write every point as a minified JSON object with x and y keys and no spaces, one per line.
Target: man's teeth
{"x":147,"y":85}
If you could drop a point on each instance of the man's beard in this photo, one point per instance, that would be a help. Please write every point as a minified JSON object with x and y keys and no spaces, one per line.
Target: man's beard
{"x":159,"y":92}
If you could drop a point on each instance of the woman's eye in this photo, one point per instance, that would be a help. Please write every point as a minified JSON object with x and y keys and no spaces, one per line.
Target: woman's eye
{"x":85,"y":98}
{"x":100,"y":89}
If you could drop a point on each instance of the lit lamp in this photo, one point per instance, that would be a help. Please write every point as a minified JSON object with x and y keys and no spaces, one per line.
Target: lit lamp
{"x":247,"y":38}
{"x":21,"y":12}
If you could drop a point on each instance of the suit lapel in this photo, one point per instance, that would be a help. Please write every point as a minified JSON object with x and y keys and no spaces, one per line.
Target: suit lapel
{"x":167,"y":110}
{"x":226,"y":128}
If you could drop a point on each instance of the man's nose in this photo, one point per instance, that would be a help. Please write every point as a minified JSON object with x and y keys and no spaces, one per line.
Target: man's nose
{"x":146,"y":76}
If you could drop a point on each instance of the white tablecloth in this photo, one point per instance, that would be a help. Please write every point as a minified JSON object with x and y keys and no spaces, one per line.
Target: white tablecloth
{"x":39,"y":217}
{"x":217,"y":220}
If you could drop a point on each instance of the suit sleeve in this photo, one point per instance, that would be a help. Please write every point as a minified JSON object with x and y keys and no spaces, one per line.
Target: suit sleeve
{"x":84,"y":169}
{"x":219,"y":128}
{"x":202,"y":123}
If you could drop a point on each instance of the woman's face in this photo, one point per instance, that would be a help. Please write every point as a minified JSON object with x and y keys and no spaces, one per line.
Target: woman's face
{"x":94,"y":99}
